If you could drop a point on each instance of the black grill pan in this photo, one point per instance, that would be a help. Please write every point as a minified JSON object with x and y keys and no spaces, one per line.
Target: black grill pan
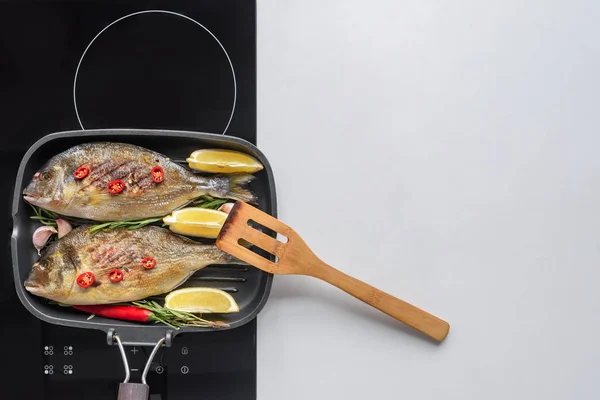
{"x":249,"y":286}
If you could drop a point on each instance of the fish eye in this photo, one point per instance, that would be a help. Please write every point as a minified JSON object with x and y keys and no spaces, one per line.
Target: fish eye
{"x":46,"y":176}
{"x":44,"y":264}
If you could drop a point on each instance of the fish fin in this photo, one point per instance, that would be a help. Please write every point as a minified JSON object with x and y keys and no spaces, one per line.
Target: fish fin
{"x":236,"y":188}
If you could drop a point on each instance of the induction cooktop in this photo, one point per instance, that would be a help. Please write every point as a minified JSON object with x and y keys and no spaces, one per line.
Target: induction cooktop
{"x":185,"y":65}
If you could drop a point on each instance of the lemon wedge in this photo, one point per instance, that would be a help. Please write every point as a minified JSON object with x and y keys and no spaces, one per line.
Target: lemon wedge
{"x":196,"y":221}
{"x":223,"y":161}
{"x":201,"y":300}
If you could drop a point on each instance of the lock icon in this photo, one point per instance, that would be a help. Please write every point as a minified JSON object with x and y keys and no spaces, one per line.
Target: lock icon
{"x":184,"y":350}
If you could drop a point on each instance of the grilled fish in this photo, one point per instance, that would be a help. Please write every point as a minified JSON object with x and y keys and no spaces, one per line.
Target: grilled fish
{"x":77,"y":183}
{"x":56,"y":275}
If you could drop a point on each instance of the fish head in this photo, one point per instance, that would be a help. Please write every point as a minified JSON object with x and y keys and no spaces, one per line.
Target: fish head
{"x":52,"y":276}
{"x":52,"y":187}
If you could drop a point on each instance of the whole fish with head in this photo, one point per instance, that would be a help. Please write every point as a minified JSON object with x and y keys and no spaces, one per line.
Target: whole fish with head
{"x":98,"y":165}
{"x":54,"y":276}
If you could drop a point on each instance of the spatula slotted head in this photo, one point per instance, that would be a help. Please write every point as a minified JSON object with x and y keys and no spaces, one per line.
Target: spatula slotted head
{"x":237,"y":229}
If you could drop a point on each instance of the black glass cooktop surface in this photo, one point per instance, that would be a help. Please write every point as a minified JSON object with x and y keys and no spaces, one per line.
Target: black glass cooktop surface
{"x":188,"y":65}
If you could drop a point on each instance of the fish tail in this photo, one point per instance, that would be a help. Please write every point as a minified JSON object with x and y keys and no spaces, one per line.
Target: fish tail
{"x":227,"y":258}
{"x":234,"y":187}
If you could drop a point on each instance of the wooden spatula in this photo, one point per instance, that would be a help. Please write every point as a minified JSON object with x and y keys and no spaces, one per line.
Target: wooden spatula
{"x":295,"y":257}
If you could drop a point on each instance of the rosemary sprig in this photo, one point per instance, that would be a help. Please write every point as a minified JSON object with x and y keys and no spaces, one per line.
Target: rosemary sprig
{"x":176,"y":319}
{"x":207,"y":201}
{"x":129,"y":224}
{"x":49,"y":217}
{"x":44,"y":216}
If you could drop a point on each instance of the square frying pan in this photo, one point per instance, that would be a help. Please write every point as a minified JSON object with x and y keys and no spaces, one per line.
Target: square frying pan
{"x":249,"y":286}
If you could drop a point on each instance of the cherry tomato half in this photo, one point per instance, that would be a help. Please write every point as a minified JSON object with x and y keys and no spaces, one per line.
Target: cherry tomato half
{"x":114,"y":275}
{"x":148,"y":262}
{"x":86,"y":279}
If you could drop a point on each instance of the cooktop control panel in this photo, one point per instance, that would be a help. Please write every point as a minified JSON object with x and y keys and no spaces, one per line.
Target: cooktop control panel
{"x":74,"y":360}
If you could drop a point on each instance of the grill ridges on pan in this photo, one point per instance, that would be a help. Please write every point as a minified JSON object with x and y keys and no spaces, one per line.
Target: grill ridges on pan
{"x":225,"y":277}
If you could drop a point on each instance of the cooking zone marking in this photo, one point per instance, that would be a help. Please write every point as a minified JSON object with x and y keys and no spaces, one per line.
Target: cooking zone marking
{"x":155,"y":12}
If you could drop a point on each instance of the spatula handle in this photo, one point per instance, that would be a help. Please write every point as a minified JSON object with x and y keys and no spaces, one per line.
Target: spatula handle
{"x":421,"y":320}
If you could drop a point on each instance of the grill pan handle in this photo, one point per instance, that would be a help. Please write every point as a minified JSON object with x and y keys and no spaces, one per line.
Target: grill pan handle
{"x":135,"y":391}
{"x":146,"y":336}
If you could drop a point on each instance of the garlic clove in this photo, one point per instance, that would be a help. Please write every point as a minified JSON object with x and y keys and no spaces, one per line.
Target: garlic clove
{"x":64,"y":227}
{"x":41,"y":236}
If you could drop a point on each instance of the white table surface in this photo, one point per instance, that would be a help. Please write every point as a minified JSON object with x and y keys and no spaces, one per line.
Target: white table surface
{"x":446,"y":152}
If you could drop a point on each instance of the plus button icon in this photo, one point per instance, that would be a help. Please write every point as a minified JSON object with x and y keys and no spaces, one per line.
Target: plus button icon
{"x":134,"y":350}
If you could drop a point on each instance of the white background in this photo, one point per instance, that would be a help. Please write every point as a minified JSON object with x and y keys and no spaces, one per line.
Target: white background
{"x":445,"y":152}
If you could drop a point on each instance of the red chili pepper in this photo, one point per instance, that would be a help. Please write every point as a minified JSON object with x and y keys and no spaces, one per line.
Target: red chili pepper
{"x":86,"y":279}
{"x":148,"y":262}
{"x":158,"y":174}
{"x":81,"y":172}
{"x":116,"y":186}
{"x":126,"y":313}
{"x":114,"y":275}
{"x":142,"y":314}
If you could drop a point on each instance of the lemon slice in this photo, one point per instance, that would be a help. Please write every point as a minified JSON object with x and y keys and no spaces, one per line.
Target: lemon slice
{"x":196,"y":221}
{"x":223,"y":161}
{"x":201,"y":300}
